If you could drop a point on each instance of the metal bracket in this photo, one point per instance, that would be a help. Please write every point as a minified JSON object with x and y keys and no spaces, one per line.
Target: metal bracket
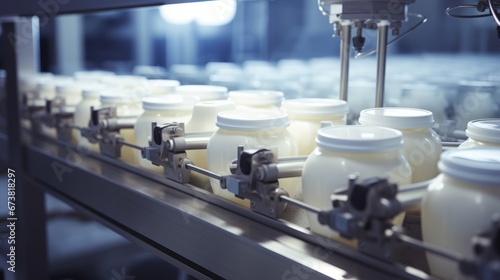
{"x":167,"y":148}
{"x":104,"y":128}
{"x":250,"y":182}
{"x":365,"y":215}
{"x":53,"y":115}
{"x":486,"y":261}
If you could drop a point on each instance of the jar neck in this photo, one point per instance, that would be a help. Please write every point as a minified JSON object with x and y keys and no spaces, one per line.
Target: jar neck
{"x":312,"y":117}
{"x":360,"y":155}
{"x":483,"y":143}
{"x":251,"y":132}
{"x":167,"y":113}
{"x":415,"y":130}
{"x":91,"y":98}
{"x":468,"y":184}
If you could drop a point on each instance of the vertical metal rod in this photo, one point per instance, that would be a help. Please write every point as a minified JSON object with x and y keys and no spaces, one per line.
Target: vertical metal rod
{"x":345,"y":47}
{"x":382,"y":35}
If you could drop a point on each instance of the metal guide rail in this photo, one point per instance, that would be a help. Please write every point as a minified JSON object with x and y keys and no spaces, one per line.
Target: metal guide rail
{"x":362,"y":212}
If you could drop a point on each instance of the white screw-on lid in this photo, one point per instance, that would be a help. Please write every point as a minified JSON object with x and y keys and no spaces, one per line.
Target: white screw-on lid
{"x":64,"y":89}
{"x":94,"y":75}
{"x":316,"y":106}
{"x":93,"y":90}
{"x":359,"y":139}
{"x":161,"y":86}
{"x":204,"y":92}
{"x":476,"y":86}
{"x":480,"y":165}
{"x":395,"y":117}
{"x":251,"y":120}
{"x":170,"y":102}
{"x":257,"y":97}
{"x":118,"y":96}
{"x":484,"y":130}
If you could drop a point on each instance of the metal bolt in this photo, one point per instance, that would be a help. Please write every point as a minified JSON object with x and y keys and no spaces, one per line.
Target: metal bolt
{"x":252,"y":204}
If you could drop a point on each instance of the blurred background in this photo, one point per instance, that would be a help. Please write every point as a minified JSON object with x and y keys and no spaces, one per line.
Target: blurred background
{"x":235,"y":32}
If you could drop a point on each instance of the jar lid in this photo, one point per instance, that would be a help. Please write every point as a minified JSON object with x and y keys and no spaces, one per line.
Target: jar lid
{"x":116,"y":97}
{"x":480,"y":165}
{"x":476,"y":86}
{"x":204,"y":92}
{"x":484,"y":130}
{"x":170,"y":102}
{"x":251,"y":120}
{"x":257,"y":97}
{"x":64,"y":89}
{"x":359,"y":139}
{"x":316,"y":106}
{"x":94,"y":90}
{"x":92,"y":75}
{"x":162,"y":85}
{"x":395,"y":117}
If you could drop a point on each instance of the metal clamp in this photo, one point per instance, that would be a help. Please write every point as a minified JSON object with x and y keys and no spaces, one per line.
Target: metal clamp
{"x":167,"y":148}
{"x":256,"y":179}
{"x":366,"y":214}
{"x":55,"y":116}
{"x":104,"y":129}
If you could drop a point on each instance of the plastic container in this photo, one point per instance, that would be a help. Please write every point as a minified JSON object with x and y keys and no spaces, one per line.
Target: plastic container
{"x":426,"y":96}
{"x":422,"y":146}
{"x":344,"y":150}
{"x":459,"y":204}
{"x":160,"y":109}
{"x":90,"y":98}
{"x":126,"y":106}
{"x":483,"y":133}
{"x":475,"y":100}
{"x":203,"y":92}
{"x":203,"y":122}
{"x":306,"y":115}
{"x":161,"y":87}
{"x":256,"y":99}
{"x":253,"y":130}
{"x":70,"y":92}
{"x":46,"y":89}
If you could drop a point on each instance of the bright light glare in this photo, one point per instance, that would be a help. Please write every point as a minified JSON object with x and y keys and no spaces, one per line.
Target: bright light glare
{"x":218,"y":12}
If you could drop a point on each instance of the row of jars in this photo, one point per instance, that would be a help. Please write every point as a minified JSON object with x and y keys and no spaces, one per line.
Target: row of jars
{"x":393,"y":142}
{"x":427,"y":82}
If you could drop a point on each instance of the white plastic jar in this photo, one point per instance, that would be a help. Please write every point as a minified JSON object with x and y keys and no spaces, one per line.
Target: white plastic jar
{"x":47,"y":89}
{"x":70,"y":92}
{"x":252,"y":130}
{"x":203,"y":120}
{"x":344,"y":150}
{"x":483,"y":133}
{"x":203,"y":92}
{"x":257,"y":99}
{"x":425,"y":96}
{"x":422,"y":145}
{"x":126,"y":106}
{"x":459,"y":204}
{"x":160,"y":109}
{"x":90,"y":98}
{"x":161,"y":86}
{"x":306,"y":115}
{"x":475,"y":100}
